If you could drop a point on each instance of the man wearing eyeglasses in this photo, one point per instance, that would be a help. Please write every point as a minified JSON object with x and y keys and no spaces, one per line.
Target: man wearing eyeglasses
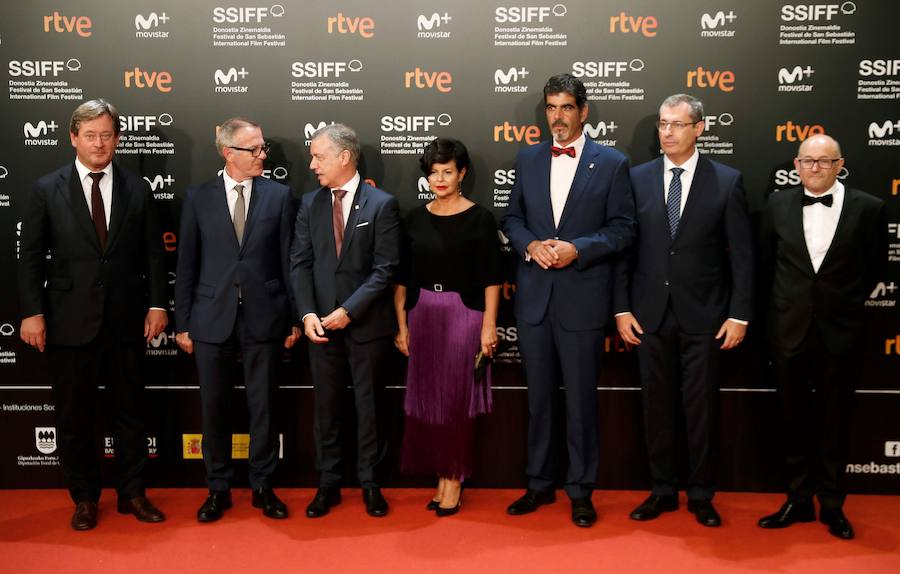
{"x":232,"y":301}
{"x":824,"y":249}
{"x":683,"y":295}
{"x":92,"y":304}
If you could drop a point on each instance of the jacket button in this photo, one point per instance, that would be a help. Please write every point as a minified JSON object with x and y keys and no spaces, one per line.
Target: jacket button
{"x":667,"y":283}
{"x":672,"y":252}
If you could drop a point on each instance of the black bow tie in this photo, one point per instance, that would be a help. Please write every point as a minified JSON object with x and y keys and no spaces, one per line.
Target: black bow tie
{"x":826,"y":200}
{"x":557,"y":151}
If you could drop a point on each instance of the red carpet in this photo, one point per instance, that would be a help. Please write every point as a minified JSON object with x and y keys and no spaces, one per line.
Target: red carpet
{"x":35,"y":537}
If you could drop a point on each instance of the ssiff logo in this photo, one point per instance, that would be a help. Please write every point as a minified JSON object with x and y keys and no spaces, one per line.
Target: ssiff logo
{"x":527,"y":14}
{"x":606,"y":69}
{"x":141,"y":79}
{"x":427,"y":26}
{"x":340,"y":24}
{"x":414,"y":123}
{"x":41,"y":68}
{"x":879,"y":68}
{"x":324,"y":69}
{"x":246,"y":14}
{"x":625,"y":24}
{"x":703,"y":78}
{"x":423,"y":79}
{"x":712,"y":24}
{"x":56,"y":22}
{"x":813,"y":12}
{"x":144,"y":123}
{"x":45,"y":439}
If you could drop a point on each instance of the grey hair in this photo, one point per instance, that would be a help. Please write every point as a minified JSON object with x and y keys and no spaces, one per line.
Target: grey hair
{"x":343,"y":137}
{"x":225,"y":132}
{"x":91,"y":110}
{"x":695,"y":104}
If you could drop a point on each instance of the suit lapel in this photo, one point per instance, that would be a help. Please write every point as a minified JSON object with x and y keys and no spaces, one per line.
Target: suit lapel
{"x":70,"y":188}
{"x":257,"y":197}
{"x":218,"y":199}
{"x":121,"y":197}
{"x":542,"y":167}
{"x":846,"y":224}
{"x":359,"y":203}
{"x":795,"y":227}
{"x":583,"y":173}
{"x":694,"y":201}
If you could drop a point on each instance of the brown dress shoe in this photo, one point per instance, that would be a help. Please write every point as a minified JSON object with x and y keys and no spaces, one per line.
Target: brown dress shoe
{"x":142,"y":509}
{"x":85,"y":516}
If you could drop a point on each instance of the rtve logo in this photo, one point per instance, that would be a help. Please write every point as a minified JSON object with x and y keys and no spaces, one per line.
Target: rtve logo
{"x":505,"y":177}
{"x":789,"y":131}
{"x":144,"y":123}
{"x":232,"y":75}
{"x":892,"y":346}
{"x":340,"y":24}
{"x":605,"y":69}
{"x":152,"y":20}
{"x":422,"y":79}
{"x":414,"y":123}
{"x":508,"y":132}
{"x":600,"y":129}
{"x":813,"y":12}
{"x":39,"y":129}
{"x":159,"y":181}
{"x":794,"y":75}
{"x":702,"y":78}
{"x":895,"y":187}
{"x":884,"y":129}
{"x":425,"y":23}
{"x":324,"y":69}
{"x":246,"y":14}
{"x":526,"y":14}
{"x":140,"y":79}
{"x":56,"y":22}
{"x":879,"y":67}
{"x":626,"y":24}
{"x":708,"y":22}
{"x":41,"y":68}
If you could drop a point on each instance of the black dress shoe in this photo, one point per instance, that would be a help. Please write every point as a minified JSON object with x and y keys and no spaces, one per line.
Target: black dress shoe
{"x":214,"y":506}
{"x":789,"y":513}
{"x":375,"y":503}
{"x":442,"y":511}
{"x":654,"y":506}
{"x":326,"y":497}
{"x":85,"y":516}
{"x":838,"y":525}
{"x":530,"y":501}
{"x":705,"y":512}
{"x":271,"y":506}
{"x":432,"y":504}
{"x":142,"y":509}
{"x":583,"y":513}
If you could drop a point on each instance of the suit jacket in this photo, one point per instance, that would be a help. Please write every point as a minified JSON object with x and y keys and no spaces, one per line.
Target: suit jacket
{"x":598,"y":219}
{"x":82,"y":286}
{"x":211,"y":263}
{"x":360,"y":280}
{"x":706,"y":270}
{"x":832,"y":299}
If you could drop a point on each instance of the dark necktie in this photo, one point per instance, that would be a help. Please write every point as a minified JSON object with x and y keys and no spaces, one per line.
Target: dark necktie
{"x":558,"y":151}
{"x":826,"y":200}
{"x":673,"y":203}
{"x":240,"y":214}
{"x":337,"y":219}
{"x":98,"y":212}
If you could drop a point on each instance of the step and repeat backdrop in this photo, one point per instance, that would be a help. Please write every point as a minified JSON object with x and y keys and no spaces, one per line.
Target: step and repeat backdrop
{"x":771,"y":73}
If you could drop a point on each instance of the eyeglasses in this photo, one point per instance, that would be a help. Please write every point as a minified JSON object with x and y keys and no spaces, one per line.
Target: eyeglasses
{"x":823,"y":162}
{"x":677,"y":126}
{"x":254,"y":151}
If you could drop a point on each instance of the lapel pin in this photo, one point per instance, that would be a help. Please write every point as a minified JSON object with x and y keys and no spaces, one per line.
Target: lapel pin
{"x":356,"y":206}
{"x":591,"y":166}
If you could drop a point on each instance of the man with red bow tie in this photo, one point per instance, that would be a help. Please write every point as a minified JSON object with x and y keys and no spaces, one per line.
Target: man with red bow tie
{"x":570,"y":215}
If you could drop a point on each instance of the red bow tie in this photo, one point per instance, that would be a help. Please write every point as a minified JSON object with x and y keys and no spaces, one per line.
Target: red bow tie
{"x":557,"y":151}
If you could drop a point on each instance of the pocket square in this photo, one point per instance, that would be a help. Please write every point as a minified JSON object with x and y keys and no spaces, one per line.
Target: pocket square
{"x":363,"y":224}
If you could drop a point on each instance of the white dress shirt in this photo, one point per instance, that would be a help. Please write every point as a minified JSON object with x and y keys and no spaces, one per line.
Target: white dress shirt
{"x":687,"y":177}
{"x":106,"y":187}
{"x":231,"y":194}
{"x":562,"y":173}
{"x":820,"y":222}
{"x":347,"y":202}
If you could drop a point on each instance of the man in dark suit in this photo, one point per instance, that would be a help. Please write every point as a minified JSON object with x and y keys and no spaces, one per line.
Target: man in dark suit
{"x":93,"y":304}
{"x":683,"y":293}
{"x":232,"y":298}
{"x":571,"y":213}
{"x":345,"y":251}
{"x":824,"y":248}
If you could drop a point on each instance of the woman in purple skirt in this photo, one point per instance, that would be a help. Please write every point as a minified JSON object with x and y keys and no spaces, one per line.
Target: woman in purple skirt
{"x":446,"y":301}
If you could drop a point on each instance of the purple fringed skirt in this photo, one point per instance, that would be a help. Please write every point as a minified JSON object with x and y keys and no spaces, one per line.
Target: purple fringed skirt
{"x":442,"y":398}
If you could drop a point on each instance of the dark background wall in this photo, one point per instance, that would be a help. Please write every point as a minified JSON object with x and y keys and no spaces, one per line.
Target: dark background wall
{"x":770,"y":73}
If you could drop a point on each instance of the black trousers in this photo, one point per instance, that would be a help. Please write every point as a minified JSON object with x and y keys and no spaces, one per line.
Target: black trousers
{"x":217,"y":368}
{"x":75,"y":373}
{"x":335,"y":365}
{"x":554,"y":357}
{"x":816,"y":391}
{"x":680,"y":374}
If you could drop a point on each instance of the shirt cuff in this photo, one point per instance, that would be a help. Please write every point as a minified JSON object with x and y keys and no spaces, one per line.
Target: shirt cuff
{"x":157,"y":309}
{"x":740,"y":321}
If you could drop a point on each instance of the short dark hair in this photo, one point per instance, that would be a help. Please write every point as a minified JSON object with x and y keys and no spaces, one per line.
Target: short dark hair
{"x":91,"y":110}
{"x":569,"y":84}
{"x":442,"y":150}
